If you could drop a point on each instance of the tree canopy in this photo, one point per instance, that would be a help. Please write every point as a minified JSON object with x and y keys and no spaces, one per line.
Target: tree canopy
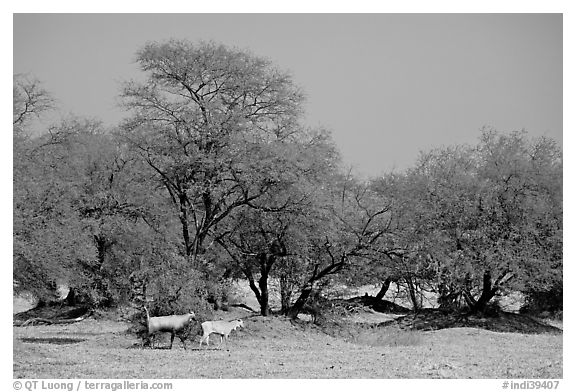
{"x":212,"y":177}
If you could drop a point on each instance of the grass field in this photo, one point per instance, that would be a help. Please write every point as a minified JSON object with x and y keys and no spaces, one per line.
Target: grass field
{"x":275,"y":348}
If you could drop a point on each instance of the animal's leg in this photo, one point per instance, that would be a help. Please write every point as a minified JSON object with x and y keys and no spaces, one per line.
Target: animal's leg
{"x":171,"y":339}
{"x":204,"y":338}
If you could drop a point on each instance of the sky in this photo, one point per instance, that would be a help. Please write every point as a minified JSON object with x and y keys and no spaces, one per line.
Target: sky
{"x":386,"y":85}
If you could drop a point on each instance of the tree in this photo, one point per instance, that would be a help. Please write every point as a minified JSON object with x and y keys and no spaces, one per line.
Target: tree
{"x":264,"y":239}
{"x":206,"y":121}
{"x":523,"y":212}
{"x":254,"y":245}
{"x":342,"y":227}
{"x":29,"y":100}
{"x":48,"y":236}
{"x":396,"y":256}
{"x":77,"y":216}
{"x":494,"y":215}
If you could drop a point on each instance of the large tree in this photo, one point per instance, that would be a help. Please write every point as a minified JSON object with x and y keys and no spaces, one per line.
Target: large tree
{"x":208,"y":121}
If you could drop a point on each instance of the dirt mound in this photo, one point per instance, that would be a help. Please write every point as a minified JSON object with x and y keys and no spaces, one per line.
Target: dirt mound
{"x":434,"y":319}
{"x":267,"y":327}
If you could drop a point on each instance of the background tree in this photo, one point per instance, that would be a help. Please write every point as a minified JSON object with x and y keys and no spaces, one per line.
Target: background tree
{"x":494,"y":217}
{"x":79,"y":216}
{"x":60,"y":208}
{"x":29,"y":100}
{"x":347,"y":220}
{"x":396,"y":255}
{"x":261,"y":238}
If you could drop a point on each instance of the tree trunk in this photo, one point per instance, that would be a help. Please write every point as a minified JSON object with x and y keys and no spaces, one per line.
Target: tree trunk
{"x":384,"y":288}
{"x":264,"y":295}
{"x":102,"y":247}
{"x":261,"y":290}
{"x":317,"y":275}
{"x":183,"y":216}
{"x":412,"y":292}
{"x":470,"y":301}
{"x":488,"y":293}
{"x":71,"y":297}
{"x":253,"y":286}
{"x":300,"y":302}
{"x":285,"y":294}
{"x":266,"y":262}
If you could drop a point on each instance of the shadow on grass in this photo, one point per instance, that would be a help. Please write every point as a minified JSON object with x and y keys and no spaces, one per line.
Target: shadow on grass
{"x":52,"y":340}
{"x":138,"y":346}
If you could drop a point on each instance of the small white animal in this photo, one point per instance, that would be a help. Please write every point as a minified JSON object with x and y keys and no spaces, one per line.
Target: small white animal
{"x":222,"y":328}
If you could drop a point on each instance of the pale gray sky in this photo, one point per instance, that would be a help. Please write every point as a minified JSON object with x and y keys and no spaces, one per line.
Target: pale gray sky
{"x":386,"y":85}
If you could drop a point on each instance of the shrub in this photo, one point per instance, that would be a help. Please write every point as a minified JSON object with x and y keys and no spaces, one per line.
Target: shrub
{"x":544,"y":302}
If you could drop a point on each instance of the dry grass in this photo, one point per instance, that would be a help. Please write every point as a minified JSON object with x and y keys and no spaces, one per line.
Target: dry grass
{"x":390,"y":338}
{"x":275,"y":348}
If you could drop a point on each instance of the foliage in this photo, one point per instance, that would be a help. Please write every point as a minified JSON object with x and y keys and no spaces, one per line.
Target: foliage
{"x":212,"y":178}
{"x":209,"y":121}
{"x":219,"y":129}
{"x":53,"y":238}
{"x":487,"y":218}
{"x":544,"y":301}
{"x":268,"y":238}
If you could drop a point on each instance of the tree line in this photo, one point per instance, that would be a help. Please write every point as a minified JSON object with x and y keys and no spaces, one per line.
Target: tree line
{"x":212,"y":177}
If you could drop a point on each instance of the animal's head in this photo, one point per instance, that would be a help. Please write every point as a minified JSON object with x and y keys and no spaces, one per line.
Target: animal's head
{"x":191,"y":316}
{"x":240,"y":323}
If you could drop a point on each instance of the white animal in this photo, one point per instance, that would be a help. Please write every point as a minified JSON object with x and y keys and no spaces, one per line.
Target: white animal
{"x":222,"y":328}
{"x":173,"y":324}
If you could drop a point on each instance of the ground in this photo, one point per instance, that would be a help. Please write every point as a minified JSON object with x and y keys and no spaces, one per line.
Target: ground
{"x":274,"y":347}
